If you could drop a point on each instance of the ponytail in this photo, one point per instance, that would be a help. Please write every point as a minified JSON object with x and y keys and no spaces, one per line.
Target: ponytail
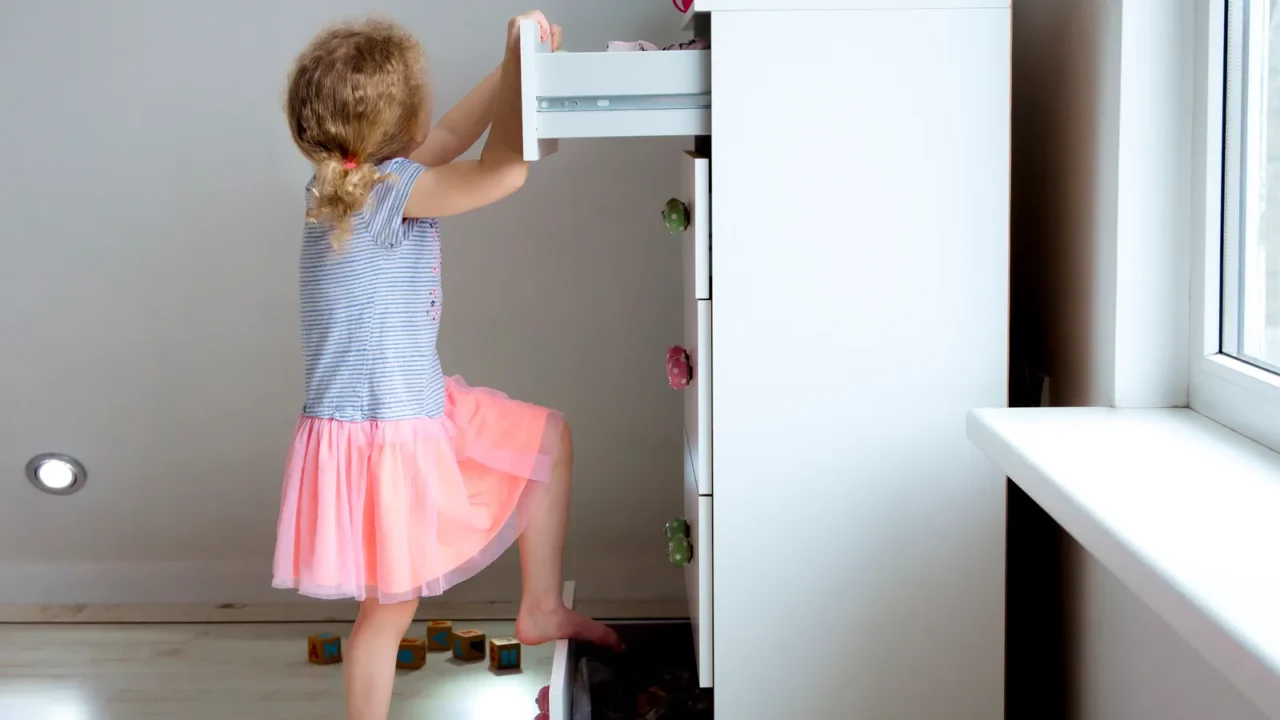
{"x":341,"y":189}
{"x":356,"y":97}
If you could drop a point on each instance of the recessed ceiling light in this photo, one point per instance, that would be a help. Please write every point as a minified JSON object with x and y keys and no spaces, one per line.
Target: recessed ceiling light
{"x":56,"y":474}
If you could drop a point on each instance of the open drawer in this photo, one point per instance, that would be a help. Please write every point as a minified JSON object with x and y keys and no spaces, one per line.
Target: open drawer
{"x":604,"y":94}
{"x":560,"y":689}
{"x":654,"y":677}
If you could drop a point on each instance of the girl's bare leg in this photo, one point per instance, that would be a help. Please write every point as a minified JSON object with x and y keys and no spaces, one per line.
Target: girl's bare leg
{"x":369,"y":663}
{"x":543,"y":615}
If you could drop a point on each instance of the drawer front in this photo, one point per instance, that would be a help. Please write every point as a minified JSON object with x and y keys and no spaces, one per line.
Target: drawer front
{"x":697,"y":397}
{"x":562,"y":671}
{"x":698,"y":573}
{"x":697,"y":239}
{"x":531,"y":48}
{"x":609,"y":94}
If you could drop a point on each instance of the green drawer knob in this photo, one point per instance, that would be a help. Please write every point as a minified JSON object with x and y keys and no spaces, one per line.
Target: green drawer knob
{"x":680,"y":551}
{"x":677,"y":527}
{"x":675,"y":215}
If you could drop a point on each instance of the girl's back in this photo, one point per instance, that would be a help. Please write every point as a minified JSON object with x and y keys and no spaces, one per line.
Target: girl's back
{"x":370,"y":310}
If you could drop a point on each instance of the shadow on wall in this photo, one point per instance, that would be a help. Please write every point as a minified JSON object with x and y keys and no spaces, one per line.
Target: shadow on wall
{"x":1065,"y":137}
{"x":1065,"y":140}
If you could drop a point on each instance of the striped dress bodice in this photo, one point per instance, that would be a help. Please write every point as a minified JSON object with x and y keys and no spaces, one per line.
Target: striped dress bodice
{"x":371,"y":311}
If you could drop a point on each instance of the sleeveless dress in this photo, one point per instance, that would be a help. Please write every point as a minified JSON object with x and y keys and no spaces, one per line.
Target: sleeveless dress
{"x":400,"y":482}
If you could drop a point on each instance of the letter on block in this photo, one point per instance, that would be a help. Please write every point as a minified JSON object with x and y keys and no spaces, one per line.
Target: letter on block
{"x":504,"y":654}
{"x":412,"y":654}
{"x":468,"y":645}
{"x":324,"y":649}
{"x":438,"y":634}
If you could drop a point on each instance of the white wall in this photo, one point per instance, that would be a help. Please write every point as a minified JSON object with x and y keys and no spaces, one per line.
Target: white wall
{"x":152,"y":207}
{"x":1101,"y":95}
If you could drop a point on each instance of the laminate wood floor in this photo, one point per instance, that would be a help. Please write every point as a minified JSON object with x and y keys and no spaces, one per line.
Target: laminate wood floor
{"x":235,"y":672}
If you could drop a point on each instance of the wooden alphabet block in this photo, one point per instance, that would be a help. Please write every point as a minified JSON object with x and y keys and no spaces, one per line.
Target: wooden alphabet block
{"x":504,"y":654}
{"x":324,"y":649}
{"x":438,"y":634}
{"x":468,"y":645}
{"x":412,"y":654}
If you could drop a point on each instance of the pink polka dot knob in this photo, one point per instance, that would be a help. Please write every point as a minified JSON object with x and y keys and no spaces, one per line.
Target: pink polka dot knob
{"x":679,"y":369}
{"x":543,"y":716}
{"x":544,"y":700}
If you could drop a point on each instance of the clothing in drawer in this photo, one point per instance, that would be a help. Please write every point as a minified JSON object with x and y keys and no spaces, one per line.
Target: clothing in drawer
{"x":654,"y":677}
{"x":603,"y":94}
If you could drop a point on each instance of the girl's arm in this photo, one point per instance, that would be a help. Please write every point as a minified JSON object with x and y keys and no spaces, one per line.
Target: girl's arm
{"x":462,"y":126}
{"x":501,"y":170}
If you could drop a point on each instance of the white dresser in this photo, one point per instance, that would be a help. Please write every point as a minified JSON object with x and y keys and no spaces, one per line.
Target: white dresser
{"x":846,"y":303}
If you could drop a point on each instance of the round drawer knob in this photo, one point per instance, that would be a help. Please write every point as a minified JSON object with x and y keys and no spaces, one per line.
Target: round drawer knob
{"x":680,"y":551}
{"x":675,"y":215}
{"x":544,"y":699}
{"x":679,"y":368}
{"x":677,"y":527}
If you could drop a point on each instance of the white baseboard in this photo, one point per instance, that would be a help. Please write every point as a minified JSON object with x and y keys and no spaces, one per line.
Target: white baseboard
{"x":126,"y":583}
{"x":240,"y":591}
{"x":336,"y":611}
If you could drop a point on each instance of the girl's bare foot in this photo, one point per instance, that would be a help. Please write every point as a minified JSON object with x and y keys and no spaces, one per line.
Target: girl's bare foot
{"x":535,"y":626}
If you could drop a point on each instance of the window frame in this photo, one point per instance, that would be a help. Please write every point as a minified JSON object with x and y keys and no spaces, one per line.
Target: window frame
{"x":1232,"y":392}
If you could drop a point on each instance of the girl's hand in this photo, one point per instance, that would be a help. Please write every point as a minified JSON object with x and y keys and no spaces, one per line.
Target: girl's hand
{"x":544,"y":26}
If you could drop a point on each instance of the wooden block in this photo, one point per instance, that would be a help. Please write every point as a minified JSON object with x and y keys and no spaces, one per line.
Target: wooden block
{"x":438,"y":634}
{"x":468,"y":645}
{"x":412,"y":654}
{"x":504,"y":654}
{"x":324,"y":649}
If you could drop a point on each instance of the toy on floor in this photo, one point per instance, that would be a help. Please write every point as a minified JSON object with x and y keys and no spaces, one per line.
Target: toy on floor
{"x":324,"y":649}
{"x":438,"y":634}
{"x":412,"y":654}
{"x":468,"y":645}
{"x":504,"y":654}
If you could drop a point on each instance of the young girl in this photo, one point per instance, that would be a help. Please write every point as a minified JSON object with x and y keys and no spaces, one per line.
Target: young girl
{"x":402,"y":482}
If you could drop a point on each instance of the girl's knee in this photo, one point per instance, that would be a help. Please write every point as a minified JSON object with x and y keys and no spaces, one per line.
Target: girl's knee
{"x":377,"y":612}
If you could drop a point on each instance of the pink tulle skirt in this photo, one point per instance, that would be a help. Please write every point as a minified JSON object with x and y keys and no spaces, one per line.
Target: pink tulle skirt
{"x":409,"y":508}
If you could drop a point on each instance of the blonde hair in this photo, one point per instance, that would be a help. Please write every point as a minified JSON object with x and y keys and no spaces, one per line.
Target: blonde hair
{"x":356,"y":97}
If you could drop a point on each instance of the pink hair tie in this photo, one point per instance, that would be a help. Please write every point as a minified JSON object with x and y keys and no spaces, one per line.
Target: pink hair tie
{"x":349,"y":164}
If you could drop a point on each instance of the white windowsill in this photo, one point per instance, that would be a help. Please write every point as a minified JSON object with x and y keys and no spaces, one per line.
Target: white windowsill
{"x":1184,"y":511}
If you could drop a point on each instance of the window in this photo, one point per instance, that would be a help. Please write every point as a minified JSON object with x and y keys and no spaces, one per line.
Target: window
{"x":1251,"y":230}
{"x":1235,"y":363}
